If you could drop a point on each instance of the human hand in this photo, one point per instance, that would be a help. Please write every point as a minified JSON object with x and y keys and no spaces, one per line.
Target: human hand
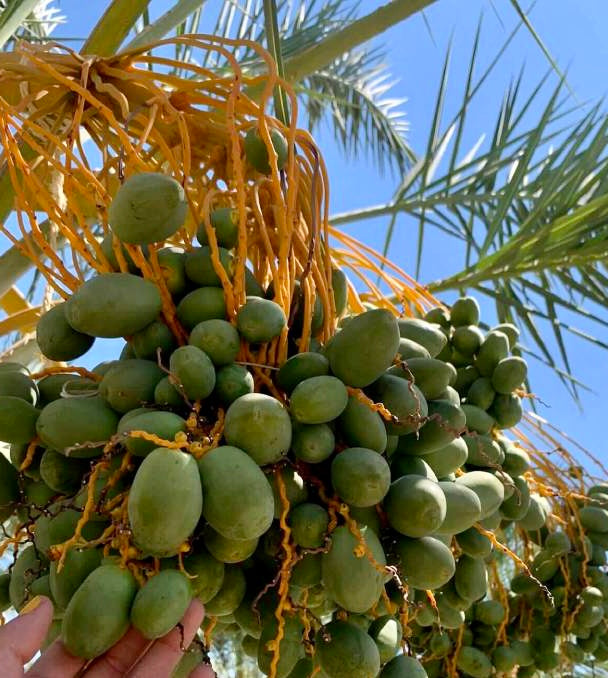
{"x":133,"y":655}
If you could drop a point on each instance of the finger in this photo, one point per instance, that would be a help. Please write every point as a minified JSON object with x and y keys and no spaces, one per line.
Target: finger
{"x":120,"y":658}
{"x":162,"y":657}
{"x":203,"y":671}
{"x":22,"y":637}
{"x":56,"y":662}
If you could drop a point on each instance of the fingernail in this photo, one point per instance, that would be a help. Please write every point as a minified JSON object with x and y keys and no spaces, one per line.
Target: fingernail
{"x":32,"y":605}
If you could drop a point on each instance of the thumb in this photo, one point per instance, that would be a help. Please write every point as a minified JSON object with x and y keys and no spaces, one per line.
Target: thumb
{"x":22,"y":637}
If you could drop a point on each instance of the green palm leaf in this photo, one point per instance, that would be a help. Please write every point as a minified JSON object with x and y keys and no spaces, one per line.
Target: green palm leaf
{"x":528,"y":201}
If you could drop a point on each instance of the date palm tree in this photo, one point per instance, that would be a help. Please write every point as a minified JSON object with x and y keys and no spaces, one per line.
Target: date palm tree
{"x":526,"y":202}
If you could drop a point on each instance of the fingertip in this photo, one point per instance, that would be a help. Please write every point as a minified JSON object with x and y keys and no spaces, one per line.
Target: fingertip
{"x":37,"y":604}
{"x":197,"y":609}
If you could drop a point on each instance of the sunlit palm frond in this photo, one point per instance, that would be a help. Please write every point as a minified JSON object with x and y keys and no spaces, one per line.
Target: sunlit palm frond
{"x":31,"y":20}
{"x":354,"y":93}
{"x":528,"y":203}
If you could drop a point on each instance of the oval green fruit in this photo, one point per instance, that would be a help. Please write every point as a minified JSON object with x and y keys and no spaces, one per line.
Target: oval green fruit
{"x":405,"y":465}
{"x":313,"y":443}
{"x":171,"y":262}
{"x":362,"y":426}
{"x":194,"y":371}
{"x":260,"y":425}
{"x":427,"y":334}
{"x":415,"y":506}
{"x":207,"y":574}
{"x":51,"y":387}
{"x":8,"y":366}
{"x":17,"y":420}
{"x":467,"y":339}
{"x":27,"y":568}
{"x":113,"y":305}
{"x":339,"y":283}
{"x":494,"y":348}
{"x":98,"y":613}
{"x":147,"y":208}
{"x":160,"y":603}
{"x":430,"y":375}
{"x":232,"y":382}
{"x":404,"y":400}
{"x":448,"y":459}
{"x":201,"y":304}
{"x":218,"y":339}
{"x":365,"y":348}
{"x":318,"y":400}
{"x":474,"y":662}
{"x":490,"y":612}
{"x":238,"y":499}
{"x":153,"y":338}
{"x":471,"y":578}
{"x":509,"y":374}
{"x":477,"y":420}
{"x":594,"y":518}
{"x":517,"y":505}
{"x":411,"y":349}
{"x":465,"y":376}
{"x":77,"y":427}
{"x":256,"y":151}
{"x":296,"y":489}
{"x":426,"y":563}
{"x":523,"y":652}
{"x":487,"y":487}
{"x":361,"y":477}
{"x":165,"y":502}
{"x":464,"y":311}
{"x":403,"y":667}
{"x":481,"y":393}
{"x":61,"y":473}
{"x":290,"y":649}
{"x":482,"y":451}
{"x":473,"y":543}
{"x":511,"y":332}
{"x":506,"y":410}
{"x":231,"y":593}
{"x":445,"y":423}
{"x":308,"y":525}
{"x":77,"y":566}
{"x":18,"y":385}
{"x":260,"y":320}
{"x":200,"y":269}
{"x":300,"y":367}
{"x":537,"y":513}
{"x":165,"y":425}
{"x":463,"y":508}
{"x":517,"y":460}
{"x":57,"y":340}
{"x":364,"y":584}
{"x":225,"y":223}
{"x":130,"y":383}
{"x":343,"y":651}
{"x":228,"y":550}
{"x":166,"y":394}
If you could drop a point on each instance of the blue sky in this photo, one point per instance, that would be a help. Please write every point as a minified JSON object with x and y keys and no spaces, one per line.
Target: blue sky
{"x":574,"y":32}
